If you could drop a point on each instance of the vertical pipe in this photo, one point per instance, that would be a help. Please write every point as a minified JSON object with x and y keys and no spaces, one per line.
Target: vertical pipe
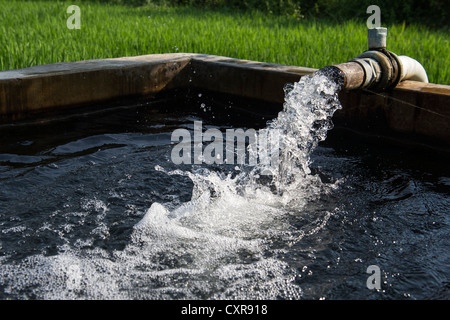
{"x":377,"y":38}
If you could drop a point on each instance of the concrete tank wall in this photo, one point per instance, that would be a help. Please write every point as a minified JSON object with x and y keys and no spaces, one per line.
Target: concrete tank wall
{"x":412,"y":108}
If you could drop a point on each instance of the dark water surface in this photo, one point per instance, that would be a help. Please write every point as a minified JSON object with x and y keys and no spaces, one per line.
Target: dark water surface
{"x":73,"y":195}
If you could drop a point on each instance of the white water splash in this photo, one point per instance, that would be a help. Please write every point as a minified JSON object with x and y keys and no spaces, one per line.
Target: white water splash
{"x":306,"y":117}
{"x":214,"y":246}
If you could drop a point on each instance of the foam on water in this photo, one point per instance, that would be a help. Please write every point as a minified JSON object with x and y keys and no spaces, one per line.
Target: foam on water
{"x":219,"y":244}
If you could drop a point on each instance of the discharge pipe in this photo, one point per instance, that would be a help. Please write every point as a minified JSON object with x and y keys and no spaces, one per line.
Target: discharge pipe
{"x":378,"y":69}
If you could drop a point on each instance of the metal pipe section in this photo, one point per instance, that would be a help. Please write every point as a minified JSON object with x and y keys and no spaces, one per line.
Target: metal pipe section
{"x":378,"y":69}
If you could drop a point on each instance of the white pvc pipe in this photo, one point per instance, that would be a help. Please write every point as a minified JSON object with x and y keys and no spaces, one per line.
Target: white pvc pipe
{"x":411,"y":69}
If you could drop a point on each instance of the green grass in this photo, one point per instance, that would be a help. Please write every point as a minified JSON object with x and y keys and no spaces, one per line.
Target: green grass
{"x":35,"y":32}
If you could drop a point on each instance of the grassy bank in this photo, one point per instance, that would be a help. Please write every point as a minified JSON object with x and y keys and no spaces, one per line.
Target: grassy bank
{"x":35,"y":32}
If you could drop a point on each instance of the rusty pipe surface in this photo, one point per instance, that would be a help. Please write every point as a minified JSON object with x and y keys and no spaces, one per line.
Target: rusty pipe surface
{"x":352,"y":74}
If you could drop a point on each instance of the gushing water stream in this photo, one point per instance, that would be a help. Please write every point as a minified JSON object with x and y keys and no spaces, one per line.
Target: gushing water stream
{"x":243,"y":234}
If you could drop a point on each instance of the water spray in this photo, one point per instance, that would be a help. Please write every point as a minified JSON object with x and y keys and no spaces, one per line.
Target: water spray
{"x":378,"y":69}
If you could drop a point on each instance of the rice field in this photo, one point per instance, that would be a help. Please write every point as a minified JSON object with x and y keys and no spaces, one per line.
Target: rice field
{"x":35,"y":33}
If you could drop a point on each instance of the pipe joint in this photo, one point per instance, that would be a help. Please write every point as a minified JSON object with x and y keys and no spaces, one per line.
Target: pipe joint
{"x":371,"y":71}
{"x":379,"y":69}
{"x":387,"y":75}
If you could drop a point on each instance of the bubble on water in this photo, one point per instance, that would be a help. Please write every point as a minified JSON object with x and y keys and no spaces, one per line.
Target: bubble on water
{"x":264,"y":279}
{"x":95,"y":205}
